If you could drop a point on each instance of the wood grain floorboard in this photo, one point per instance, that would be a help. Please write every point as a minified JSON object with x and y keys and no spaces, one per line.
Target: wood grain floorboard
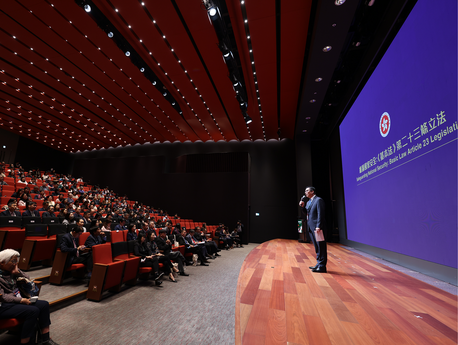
{"x":358,"y":301}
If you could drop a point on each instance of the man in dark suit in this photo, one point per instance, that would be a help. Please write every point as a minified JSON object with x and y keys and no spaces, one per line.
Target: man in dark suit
{"x":49,"y":212}
{"x":31,"y":212}
{"x":189,"y":248}
{"x":76,"y":253}
{"x":316,"y":222}
{"x":11,"y":211}
{"x":96,"y":237}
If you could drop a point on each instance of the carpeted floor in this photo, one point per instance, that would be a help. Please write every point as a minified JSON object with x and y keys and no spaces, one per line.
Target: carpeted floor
{"x":199,"y":309}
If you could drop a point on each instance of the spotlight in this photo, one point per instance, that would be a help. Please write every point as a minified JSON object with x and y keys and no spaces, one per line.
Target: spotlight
{"x":87,"y":8}
{"x":247,"y":118}
{"x":154,"y":82}
{"x":110,"y":34}
{"x":127,"y":53}
{"x":212,"y":11}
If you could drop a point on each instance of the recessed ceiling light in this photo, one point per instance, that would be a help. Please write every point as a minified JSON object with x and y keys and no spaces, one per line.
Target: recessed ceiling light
{"x":318,"y":79}
{"x":327,"y":48}
{"x":312,"y":101}
{"x":339,"y":2}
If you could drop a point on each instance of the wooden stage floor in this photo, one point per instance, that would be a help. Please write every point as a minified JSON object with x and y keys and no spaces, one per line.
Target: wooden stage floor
{"x":359,"y":301}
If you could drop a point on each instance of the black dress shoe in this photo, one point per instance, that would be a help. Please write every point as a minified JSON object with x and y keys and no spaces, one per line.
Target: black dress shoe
{"x":183,"y":274}
{"x":203,"y":264}
{"x":172,"y":280}
{"x":217,"y":254}
{"x":158,"y":282}
{"x":312,"y":267}
{"x":319,"y":269}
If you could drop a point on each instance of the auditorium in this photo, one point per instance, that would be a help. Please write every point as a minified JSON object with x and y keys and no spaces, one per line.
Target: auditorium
{"x":228,"y":172}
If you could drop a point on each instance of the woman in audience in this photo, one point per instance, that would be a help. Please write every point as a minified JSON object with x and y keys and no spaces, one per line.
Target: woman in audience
{"x":15,"y":306}
{"x":132,"y":232}
{"x":147,"y":258}
{"x":163,"y":259}
{"x":106,"y":225}
{"x":69,"y":218}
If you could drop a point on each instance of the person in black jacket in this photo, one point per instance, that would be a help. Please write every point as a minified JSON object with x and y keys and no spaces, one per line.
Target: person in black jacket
{"x":147,"y":258}
{"x":163,"y":259}
{"x":165,"y":246}
{"x":11,"y":211}
{"x":211,"y":246}
{"x":191,"y":248}
{"x":31,"y":212}
{"x":76,"y":253}
{"x":96,"y":237}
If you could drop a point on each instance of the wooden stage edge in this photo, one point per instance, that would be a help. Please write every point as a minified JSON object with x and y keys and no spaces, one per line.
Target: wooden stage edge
{"x":359,"y":301}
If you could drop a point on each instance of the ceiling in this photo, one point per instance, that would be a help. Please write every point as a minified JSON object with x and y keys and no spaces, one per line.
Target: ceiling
{"x":66,"y":84}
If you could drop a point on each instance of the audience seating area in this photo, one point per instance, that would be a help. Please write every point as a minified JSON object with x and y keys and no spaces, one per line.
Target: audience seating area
{"x":38,"y":238}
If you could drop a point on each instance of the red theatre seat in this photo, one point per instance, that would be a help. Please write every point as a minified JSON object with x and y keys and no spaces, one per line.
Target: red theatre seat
{"x":120,"y":251}
{"x":106,"y":274}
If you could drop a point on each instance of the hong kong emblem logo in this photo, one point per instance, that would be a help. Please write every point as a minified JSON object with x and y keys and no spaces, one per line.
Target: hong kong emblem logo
{"x":385,"y":124}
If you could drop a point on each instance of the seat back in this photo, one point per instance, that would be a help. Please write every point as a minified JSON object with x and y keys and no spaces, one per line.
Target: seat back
{"x":117,"y":236}
{"x":101,"y":253}
{"x":83,"y":237}
{"x":120,"y":250}
{"x":36,"y":230}
{"x":54,"y":229}
{"x":15,"y":222}
{"x":30,"y":220}
{"x":50,"y":220}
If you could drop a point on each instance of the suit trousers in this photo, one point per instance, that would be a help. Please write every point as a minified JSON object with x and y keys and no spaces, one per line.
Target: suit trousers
{"x":321,"y":251}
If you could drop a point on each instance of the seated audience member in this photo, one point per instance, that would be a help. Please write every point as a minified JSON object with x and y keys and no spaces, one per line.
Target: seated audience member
{"x":211,"y":246}
{"x":2,"y":182}
{"x":191,"y":239}
{"x":31,"y":212}
{"x":163,"y":259}
{"x":86,"y":218}
{"x":40,"y":196}
{"x":147,"y":259}
{"x":80,"y":223}
{"x":168,"y":228}
{"x":132,"y":232}
{"x":145,"y":229}
{"x":12,"y":210}
{"x":69,"y":218}
{"x":50,"y":200}
{"x":121,"y":226}
{"x":177,"y":230}
{"x":44,"y":207}
{"x":165,"y":246}
{"x":76,"y":253}
{"x":106,"y":227}
{"x":23,"y":200}
{"x":14,"y":306}
{"x":236,"y":238}
{"x":62,"y":213}
{"x":190,"y":248}
{"x":49,"y":212}
{"x":96,"y":237}
{"x":224,"y":237}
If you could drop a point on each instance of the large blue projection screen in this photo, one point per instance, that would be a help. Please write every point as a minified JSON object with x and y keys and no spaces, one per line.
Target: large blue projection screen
{"x":399,"y":142}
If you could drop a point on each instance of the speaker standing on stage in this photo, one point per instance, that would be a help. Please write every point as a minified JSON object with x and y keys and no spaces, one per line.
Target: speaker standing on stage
{"x":316,"y":224}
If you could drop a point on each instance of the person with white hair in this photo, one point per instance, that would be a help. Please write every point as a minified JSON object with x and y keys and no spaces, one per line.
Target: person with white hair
{"x":13,"y":305}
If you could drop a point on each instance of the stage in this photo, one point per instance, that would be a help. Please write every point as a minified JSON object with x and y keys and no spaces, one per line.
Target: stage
{"x":358,"y":301}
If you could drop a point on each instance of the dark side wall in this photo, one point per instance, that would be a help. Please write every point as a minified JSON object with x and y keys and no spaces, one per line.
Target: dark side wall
{"x":212,"y":182}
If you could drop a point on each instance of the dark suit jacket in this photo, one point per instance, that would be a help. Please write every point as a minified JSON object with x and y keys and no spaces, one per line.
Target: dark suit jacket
{"x":7,"y":213}
{"x":66,"y":246}
{"x":166,"y":248}
{"x":48,"y":214}
{"x":93,"y":241}
{"x":34,"y":213}
{"x":182,"y":241}
{"x":316,"y":215}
